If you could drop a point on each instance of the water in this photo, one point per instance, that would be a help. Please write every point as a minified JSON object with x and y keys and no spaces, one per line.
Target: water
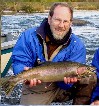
{"x":90,"y":33}
{"x":15,"y":24}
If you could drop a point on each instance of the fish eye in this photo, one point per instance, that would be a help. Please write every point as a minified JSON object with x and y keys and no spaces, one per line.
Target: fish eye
{"x":88,"y":68}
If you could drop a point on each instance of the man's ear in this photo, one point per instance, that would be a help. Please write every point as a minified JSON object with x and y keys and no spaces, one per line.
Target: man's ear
{"x":49,"y":19}
{"x":71,"y":23}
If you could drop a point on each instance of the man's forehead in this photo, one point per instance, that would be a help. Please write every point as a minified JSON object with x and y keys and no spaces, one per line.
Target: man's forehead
{"x":61,"y":8}
{"x":62,"y":14}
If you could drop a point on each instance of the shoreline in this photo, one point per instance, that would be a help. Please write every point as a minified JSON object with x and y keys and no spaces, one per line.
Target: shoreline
{"x":9,"y":12}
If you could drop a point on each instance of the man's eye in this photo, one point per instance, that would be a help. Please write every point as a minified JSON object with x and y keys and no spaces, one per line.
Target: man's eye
{"x":65,"y":21}
{"x":58,"y":20}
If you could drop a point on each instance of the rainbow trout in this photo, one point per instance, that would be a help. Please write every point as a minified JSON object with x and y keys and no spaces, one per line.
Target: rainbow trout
{"x":48,"y":72}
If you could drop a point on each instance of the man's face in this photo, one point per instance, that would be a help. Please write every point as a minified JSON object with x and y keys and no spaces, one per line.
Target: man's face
{"x":60,"y":22}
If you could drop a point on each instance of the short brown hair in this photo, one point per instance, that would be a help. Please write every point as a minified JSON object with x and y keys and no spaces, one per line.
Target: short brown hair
{"x":63,"y":4}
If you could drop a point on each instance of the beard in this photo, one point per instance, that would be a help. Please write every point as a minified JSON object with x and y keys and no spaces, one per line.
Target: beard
{"x":60,"y":38}
{"x":59,"y":33}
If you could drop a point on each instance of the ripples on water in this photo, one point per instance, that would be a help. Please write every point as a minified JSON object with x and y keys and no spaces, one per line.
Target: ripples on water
{"x":15,"y":24}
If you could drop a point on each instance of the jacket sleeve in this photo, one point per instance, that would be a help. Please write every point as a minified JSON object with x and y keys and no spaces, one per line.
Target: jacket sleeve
{"x":23,"y":53}
{"x":95,"y":94}
{"x":78,"y":54}
{"x":95,"y":62}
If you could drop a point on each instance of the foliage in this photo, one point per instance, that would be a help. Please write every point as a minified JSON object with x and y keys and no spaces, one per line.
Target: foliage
{"x":87,"y":6}
{"x":49,"y":1}
{"x":2,"y":6}
{"x":30,"y":6}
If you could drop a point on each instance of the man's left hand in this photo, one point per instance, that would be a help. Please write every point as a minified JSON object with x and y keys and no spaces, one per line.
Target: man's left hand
{"x":70,"y":80}
{"x":96,"y":102}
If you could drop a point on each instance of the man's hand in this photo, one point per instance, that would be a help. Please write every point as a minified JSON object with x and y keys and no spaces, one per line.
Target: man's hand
{"x":32,"y":82}
{"x":70,"y":80}
{"x":96,"y":102}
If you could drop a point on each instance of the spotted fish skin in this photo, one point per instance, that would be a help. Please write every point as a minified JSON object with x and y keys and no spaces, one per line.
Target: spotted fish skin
{"x":48,"y":72}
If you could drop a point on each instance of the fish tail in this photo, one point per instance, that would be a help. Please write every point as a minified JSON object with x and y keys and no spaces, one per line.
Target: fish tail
{"x":7,"y":85}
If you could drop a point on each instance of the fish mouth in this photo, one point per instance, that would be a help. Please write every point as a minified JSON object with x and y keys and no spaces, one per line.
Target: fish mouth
{"x":88,"y":70}
{"x":92,"y":69}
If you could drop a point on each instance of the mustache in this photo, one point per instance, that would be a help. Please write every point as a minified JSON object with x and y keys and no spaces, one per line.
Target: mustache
{"x":60,"y":29}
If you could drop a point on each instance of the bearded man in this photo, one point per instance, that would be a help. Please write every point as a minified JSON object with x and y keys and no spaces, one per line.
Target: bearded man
{"x":53,"y":41}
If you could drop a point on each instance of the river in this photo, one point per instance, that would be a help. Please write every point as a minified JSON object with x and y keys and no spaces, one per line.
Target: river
{"x":15,"y":24}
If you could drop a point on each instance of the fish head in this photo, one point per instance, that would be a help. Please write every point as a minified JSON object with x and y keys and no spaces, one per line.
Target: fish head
{"x":85,"y":70}
{"x":91,"y":68}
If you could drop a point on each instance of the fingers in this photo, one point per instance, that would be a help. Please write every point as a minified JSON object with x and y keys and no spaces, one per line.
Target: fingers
{"x":27,"y":82}
{"x":26,"y":68}
{"x":39,"y":81}
{"x":92,"y":103}
{"x":70,"y":80}
{"x":32,"y":82}
{"x":75,"y":79}
{"x":95,"y":102}
{"x":66,"y":80}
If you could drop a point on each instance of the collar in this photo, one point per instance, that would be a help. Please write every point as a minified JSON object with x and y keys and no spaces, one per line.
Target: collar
{"x":41,"y":30}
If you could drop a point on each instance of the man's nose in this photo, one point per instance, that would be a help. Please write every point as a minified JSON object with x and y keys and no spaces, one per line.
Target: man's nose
{"x":61,"y":24}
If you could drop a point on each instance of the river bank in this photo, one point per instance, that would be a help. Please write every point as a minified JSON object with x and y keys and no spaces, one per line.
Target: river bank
{"x":32,"y":7}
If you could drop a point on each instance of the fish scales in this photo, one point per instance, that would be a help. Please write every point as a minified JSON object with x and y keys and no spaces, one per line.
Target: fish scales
{"x":47,"y":72}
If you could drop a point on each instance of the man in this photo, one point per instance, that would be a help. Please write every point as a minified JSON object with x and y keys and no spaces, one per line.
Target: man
{"x":52,"y":41}
{"x":95,"y":63}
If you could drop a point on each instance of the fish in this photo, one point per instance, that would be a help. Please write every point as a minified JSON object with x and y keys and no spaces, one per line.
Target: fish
{"x":48,"y":72}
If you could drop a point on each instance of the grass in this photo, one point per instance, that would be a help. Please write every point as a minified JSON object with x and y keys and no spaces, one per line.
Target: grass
{"x":31,"y":7}
{"x":86,"y":5}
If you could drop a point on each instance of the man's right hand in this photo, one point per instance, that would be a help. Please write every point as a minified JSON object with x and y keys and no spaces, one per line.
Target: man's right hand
{"x":96,"y":102}
{"x":32,"y":82}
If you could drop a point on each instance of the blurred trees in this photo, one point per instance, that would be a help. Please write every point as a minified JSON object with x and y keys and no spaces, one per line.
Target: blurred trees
{"x":49,"y":0}
{"x":42,"y":5}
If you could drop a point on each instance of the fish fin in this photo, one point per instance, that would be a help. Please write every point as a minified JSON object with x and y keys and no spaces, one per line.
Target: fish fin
{"x":48,"y":85}
{"x":7,"y":84}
